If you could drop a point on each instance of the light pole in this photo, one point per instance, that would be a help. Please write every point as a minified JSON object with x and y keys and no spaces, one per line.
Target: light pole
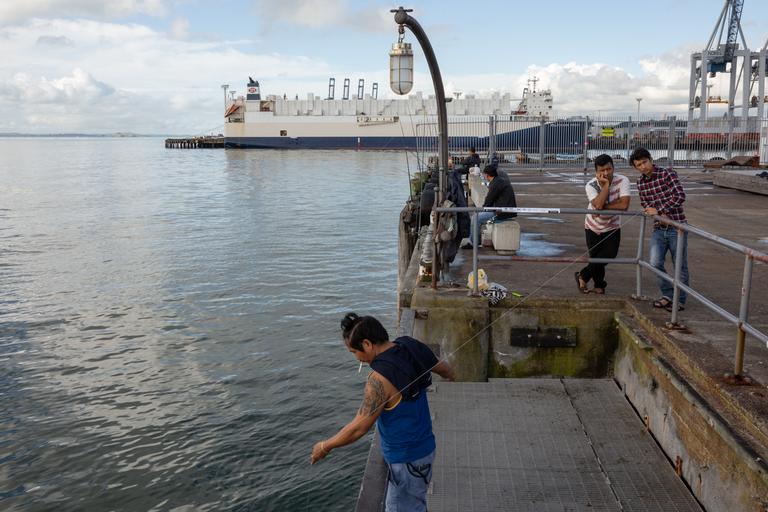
{"x":225,"y":87}
{"x":638,"y":117}
{"x":401,"y":82}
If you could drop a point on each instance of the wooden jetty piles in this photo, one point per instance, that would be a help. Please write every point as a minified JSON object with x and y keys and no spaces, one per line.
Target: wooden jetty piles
{"x":196,"y":142}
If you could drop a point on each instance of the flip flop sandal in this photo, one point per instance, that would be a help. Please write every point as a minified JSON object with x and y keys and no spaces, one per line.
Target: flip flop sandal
{"x":680,"y":307}
{"x":582,"y":288}
{"x":598,"y":291}
{"x":662,"y":303}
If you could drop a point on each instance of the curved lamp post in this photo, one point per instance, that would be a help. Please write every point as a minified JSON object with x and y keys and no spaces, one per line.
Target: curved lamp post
{"x":401,"y":82}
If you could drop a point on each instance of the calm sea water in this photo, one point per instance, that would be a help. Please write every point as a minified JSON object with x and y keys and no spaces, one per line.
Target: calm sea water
{"x":169,"y":322}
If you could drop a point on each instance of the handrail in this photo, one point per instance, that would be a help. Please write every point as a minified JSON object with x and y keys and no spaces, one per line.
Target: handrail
{"x":750,"y":255}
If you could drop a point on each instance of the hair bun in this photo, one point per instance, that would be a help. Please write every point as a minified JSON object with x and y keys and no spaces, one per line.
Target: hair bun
{"x":349,"y":320}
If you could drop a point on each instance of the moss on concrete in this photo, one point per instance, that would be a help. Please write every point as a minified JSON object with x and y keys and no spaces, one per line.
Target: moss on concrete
{"x":455,"y":324}
{"x":590,"y":358}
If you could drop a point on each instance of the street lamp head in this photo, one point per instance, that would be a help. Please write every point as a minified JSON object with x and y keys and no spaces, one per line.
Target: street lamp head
{"x":401,"y":14}
{"x":401,"y":67}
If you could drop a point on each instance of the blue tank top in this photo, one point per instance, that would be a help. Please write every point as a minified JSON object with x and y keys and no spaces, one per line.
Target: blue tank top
{"x":406,"y":430}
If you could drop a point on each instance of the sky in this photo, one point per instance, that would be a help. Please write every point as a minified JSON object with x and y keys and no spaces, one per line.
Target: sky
{"x":157,"y":66}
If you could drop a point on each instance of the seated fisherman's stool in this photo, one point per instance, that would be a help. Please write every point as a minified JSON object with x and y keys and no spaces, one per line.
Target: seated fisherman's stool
{"x":505,"y":235}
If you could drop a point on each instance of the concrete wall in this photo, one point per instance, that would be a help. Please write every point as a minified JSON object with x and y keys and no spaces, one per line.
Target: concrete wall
{"x":454,"y":326}
{"x":590,"y":358}
{"x":742,"y":180}
{"x":717,"y":463}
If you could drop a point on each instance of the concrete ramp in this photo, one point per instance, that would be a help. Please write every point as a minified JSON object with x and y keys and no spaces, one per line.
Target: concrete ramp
{"x":547,"y":445}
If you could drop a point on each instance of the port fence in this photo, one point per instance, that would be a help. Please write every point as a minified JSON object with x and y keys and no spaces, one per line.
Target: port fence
{"x":535,"y":142}
{"x":740,"y":320}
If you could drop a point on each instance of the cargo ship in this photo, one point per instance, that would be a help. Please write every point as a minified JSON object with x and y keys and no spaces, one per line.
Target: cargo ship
{"x":363,"y":121}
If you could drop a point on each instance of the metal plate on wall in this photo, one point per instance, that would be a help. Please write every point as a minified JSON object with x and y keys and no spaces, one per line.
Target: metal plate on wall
{"x":548,"y":337}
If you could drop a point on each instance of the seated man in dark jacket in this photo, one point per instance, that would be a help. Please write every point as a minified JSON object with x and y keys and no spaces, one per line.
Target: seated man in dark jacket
{"x":473,"y":159}
{"x":500,"y":193}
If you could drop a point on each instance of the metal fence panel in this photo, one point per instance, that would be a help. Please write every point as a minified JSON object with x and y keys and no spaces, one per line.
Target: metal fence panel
{"x":535,"y":142}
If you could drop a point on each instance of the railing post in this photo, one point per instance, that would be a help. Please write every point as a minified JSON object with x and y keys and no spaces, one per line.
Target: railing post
{"x":491,"y":137}
{"x":542,"y":137}
{"x":729,"y":149}
{"x":436,"y":259}
{"x":746,"y":284}
{"x":629,"y":138}
{"x":678,"y":270}
{"x":638,"y":268}
{"x":475,"y":238}
{"x":585,"y":144}
{"x":671,"y":139}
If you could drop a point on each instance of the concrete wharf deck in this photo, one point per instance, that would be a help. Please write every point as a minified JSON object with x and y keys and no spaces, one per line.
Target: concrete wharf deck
{"x":577,"y":444}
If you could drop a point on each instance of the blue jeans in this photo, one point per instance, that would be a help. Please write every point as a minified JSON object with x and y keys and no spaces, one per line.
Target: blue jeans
{"x":663,"y":240}
{"x":482,"y":218}
{"x":407,"y":485}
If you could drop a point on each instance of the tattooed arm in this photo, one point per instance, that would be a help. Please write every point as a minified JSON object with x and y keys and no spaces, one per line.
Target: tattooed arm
{"x":378,"y":391}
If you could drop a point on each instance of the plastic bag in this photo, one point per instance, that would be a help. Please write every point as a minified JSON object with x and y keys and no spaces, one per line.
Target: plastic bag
{"x":482,"y":280}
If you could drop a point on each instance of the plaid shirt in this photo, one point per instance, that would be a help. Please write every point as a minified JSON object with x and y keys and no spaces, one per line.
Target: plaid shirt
{"x":663,"y":191}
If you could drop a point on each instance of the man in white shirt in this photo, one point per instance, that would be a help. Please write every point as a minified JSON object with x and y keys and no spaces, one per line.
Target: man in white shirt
{"x":606,"y":191}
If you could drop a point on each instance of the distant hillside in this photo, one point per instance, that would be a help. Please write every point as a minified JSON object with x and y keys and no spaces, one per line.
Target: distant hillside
{"x":83,"y":135}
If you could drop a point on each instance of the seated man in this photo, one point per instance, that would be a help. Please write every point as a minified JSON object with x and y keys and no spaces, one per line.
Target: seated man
{"x":500,"y":194}
{"x":473,"y":159}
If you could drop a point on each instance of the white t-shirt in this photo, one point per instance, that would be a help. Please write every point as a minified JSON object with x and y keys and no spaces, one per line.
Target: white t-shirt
{"x":603,"y":223}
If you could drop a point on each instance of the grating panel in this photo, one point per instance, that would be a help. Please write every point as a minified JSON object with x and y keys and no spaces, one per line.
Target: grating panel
{"x":546,"y":444}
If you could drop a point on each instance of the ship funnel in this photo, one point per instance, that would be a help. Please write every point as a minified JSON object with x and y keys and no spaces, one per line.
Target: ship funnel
{"x":254,"y":93}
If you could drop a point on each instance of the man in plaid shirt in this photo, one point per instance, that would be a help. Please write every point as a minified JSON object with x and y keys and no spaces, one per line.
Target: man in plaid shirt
{"x":662,"y":194}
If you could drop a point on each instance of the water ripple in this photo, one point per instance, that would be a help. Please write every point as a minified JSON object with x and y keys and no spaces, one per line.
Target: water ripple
{"x":169,"y":322}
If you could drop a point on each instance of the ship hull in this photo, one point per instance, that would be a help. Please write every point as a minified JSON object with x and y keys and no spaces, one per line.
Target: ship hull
{"x":380,"y":143}
{"x":524,"y":137}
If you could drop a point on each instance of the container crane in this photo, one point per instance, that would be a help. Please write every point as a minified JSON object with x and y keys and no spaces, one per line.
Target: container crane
{"x":759,"y":66}
{"x":723,"y":54}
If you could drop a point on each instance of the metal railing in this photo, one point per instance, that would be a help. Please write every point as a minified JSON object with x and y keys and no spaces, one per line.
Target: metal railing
{"x":750,"y":255}
{"x":534,"y":142}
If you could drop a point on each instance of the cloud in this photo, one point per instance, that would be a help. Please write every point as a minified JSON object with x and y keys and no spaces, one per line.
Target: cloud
{"x":14,"y":11}
{"x":325,"y":13}
{"x":80,"y":103}
{"x":308,"y":13}
{"x":77,"y":88}
{"x":580,"y":88}
{"x":54,"y":41}
{"x":179,"y":28}
{"x":128,"y":77}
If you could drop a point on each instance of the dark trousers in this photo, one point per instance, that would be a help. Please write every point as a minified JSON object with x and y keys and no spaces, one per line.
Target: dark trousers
{"x":604,"y":245}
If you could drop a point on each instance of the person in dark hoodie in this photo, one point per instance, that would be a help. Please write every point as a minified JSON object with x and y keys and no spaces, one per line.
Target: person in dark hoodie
{"x":473,"y":159}
{"x":396,"y":399}
{"x":500,"y":194}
